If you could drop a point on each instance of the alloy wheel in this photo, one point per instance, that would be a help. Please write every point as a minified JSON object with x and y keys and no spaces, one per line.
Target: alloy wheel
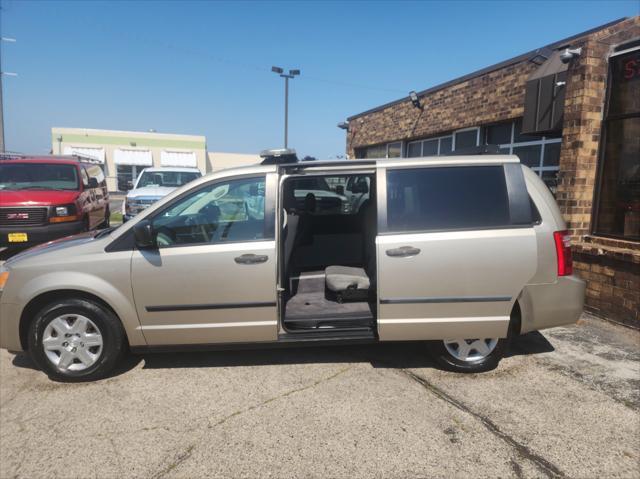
{"x":470,"y":349}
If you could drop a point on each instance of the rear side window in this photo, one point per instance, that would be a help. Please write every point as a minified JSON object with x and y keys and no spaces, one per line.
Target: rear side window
{"x":447,"y":198}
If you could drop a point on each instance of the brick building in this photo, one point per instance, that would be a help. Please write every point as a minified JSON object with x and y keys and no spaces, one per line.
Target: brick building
{"x":570,"y":111}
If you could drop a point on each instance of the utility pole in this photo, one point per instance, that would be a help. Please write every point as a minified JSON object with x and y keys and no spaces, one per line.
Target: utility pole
{"x":287,"y":77}
{"x":2,"y":74}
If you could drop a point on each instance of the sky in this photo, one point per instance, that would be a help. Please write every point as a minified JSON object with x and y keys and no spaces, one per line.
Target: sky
{"x":198,"y":67}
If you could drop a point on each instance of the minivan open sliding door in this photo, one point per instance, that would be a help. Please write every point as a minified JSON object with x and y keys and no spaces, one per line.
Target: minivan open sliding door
{"x":455,"y":247}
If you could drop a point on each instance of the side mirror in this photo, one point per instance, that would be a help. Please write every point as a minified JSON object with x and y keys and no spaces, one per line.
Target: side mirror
{"x":143,"y":234}
{"x":93,"y":182}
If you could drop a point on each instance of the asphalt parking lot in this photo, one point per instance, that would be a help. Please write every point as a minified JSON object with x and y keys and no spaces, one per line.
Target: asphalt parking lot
{"x":564,"y":403}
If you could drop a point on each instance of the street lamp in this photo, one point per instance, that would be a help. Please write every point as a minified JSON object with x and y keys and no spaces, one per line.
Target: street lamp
{"x":287,"y":77}
{"x":10,"y":74}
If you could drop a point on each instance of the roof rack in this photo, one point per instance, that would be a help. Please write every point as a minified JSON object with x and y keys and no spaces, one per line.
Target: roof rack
{"x":279,"y":156}
{"x":75,"y":156}
{"x":477,"y":150}
{"x":10,"y":156}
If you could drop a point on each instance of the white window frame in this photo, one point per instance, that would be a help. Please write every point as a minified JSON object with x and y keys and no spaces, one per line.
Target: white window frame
{"x":453,"y":141}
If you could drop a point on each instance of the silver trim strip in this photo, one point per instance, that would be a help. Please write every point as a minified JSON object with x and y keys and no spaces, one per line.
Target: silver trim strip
{"x":239,"y":324}
{"x":460,"y":299}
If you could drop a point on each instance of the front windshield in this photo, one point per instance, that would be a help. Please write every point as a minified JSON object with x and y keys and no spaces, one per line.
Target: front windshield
{"x":166,"y":178}
{"x":38,"y":176}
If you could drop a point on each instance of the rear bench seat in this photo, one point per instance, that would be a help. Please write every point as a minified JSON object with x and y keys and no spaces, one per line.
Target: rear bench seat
{"x":352,"y":283}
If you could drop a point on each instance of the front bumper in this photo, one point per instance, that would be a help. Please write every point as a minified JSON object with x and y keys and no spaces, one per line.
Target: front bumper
{"x":10,"y":327}
{"x":39,"y":234}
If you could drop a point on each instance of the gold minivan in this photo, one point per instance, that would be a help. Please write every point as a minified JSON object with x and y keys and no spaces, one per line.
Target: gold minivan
{"x":462,"y":252}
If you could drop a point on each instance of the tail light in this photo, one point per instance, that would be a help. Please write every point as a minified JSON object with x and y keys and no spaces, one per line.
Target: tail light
{"x":563,"y":251}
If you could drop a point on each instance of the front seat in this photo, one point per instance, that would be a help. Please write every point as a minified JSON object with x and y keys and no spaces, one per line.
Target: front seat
{"x":352,"y":283}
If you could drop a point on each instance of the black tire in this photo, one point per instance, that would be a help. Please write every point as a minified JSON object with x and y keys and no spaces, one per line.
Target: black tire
{"x":447,"y":361}
{"x":108,"y":325}
{"x":85,"y":223}
{"x":107,"y":219}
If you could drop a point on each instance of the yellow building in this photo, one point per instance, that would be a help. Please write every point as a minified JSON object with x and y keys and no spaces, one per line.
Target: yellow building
{"x":125,"y":154}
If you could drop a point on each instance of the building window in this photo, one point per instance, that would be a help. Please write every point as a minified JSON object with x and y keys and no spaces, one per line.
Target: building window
{"x":431,"y":147}
{"x":394,"y":150}
{"x":127,"y":175}
{"x":466,"y":138}
{"x":618,"y":200}
{"x":540,"y":153}
{"x":389,"y":150}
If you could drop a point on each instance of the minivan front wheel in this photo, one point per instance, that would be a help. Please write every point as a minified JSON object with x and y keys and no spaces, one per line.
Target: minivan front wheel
{"x":76,"y":340}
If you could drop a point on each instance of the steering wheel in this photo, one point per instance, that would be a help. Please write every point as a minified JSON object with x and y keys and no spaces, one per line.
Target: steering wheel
{"x":198,"y":226}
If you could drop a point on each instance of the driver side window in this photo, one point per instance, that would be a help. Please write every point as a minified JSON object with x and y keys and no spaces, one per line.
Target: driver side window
{"x":222,"y":212}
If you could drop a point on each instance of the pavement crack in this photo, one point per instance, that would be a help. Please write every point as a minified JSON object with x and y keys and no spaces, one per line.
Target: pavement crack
{"x":280,"y":396}
{"x":180,"y":458}
{"x":545,"y":466}
{"x":517,"y":469}
{"x":186,"y":454}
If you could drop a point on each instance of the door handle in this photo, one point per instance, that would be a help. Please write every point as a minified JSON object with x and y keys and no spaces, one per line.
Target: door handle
{"x":403,"y":252}
{"x":251,"y":259}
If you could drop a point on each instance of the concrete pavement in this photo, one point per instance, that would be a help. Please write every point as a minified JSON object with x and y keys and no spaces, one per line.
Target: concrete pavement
{"x":565,"y":403}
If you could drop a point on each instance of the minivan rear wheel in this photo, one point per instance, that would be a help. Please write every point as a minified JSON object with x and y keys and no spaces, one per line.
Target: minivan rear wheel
{"x":76,"y":340}
{"x":471,"y":355}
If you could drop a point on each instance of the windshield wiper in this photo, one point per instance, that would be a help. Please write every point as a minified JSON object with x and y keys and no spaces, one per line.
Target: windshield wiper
{"x":104,"y":232}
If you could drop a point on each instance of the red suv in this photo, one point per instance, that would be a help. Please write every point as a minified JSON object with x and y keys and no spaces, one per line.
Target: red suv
{"x":44,"y":198}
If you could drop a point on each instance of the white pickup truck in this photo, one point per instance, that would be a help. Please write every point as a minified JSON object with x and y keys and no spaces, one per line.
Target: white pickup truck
{"x":153,"y":184}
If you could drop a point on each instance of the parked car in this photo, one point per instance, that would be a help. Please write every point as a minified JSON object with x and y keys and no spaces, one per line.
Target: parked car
{"x":153,"y":184}
{"x":460,"y":252}
{"x":44,"y":198}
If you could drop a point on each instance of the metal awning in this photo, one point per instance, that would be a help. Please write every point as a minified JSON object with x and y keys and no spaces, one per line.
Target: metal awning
{"x":551,"y":66}
{"x":123,"y":156}
{"x":178,"y":158}
{"x":544,"y":97}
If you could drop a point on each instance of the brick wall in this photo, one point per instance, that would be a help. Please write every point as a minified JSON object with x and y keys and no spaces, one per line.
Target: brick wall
{"x":490,"y":98}
{"x":612,"y":273}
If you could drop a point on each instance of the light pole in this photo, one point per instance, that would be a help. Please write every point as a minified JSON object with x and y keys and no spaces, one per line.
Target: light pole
{"x":11,"y":40}
{"x":287,"y":77}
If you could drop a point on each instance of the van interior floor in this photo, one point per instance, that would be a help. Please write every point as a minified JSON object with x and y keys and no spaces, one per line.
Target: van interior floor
{"x":309,"y":309}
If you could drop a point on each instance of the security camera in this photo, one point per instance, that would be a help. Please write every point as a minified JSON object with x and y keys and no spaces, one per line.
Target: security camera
{"x":569,"y":54}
